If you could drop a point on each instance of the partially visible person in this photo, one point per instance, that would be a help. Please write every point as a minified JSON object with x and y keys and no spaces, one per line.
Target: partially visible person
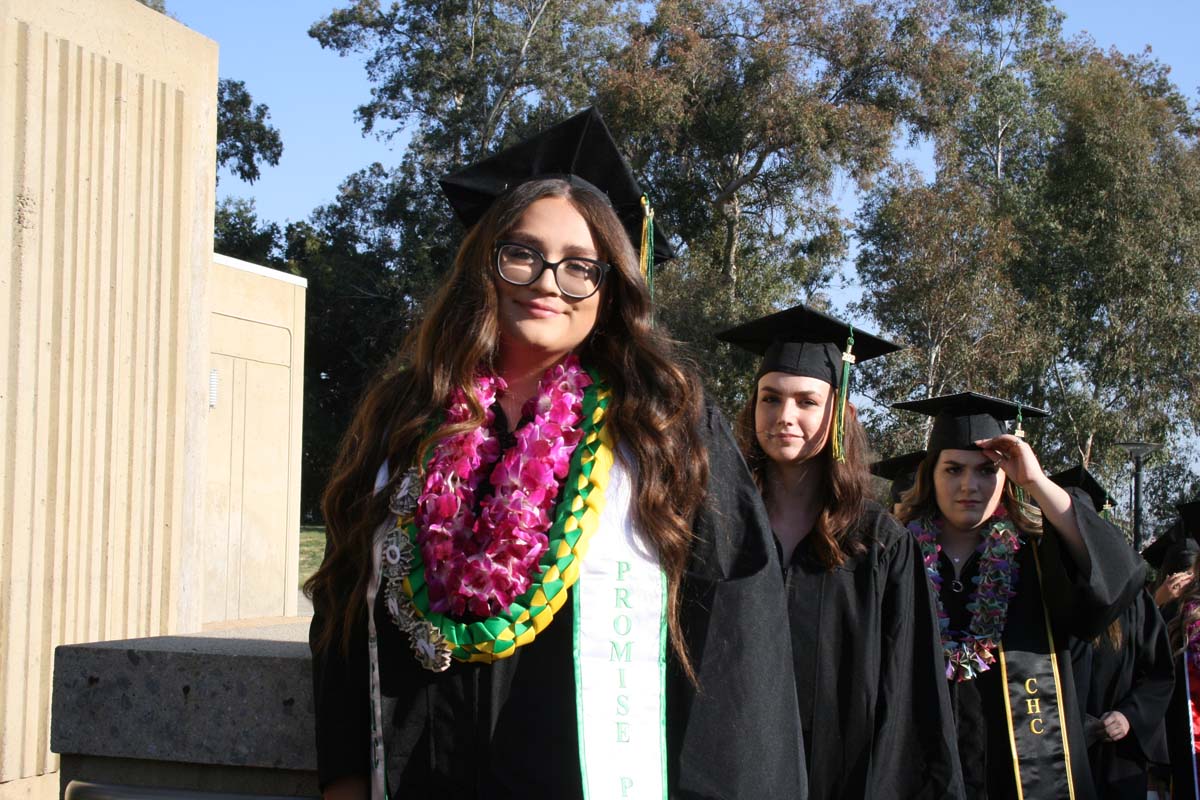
{"x":1014,"y":582}
{"x":549,"y":573}
{"x":1183,"y":716}
{"x":1173,"y":555}
{"x":1124,"y":677}
{"x":901,"y":470}
{"x":873,"y":707}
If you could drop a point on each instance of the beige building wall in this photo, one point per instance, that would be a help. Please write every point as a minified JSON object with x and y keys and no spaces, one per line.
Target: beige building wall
{"x":107,"y":151}
{"x":255,"y":400}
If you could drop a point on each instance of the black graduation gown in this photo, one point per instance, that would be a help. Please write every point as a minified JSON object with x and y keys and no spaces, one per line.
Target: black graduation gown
{"x":1179,"y":734}
{"x":1136,"y":680}
{"x":509,"y":729}
{"x":869,"y":670}
{"x":1079,"y":604}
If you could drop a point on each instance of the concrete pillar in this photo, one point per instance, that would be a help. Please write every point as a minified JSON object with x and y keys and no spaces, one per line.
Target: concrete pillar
{"x":107,"y":164}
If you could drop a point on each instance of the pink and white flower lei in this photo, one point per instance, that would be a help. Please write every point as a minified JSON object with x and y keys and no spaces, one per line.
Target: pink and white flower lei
{"x":973,"y":651}
{"x":1189,"y":613}
{"x":479,"y":563}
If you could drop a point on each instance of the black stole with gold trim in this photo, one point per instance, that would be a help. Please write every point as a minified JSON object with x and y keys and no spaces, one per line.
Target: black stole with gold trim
{"x":1037,"y":703}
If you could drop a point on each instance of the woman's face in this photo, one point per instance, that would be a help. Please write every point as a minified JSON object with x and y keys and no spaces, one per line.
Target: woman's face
{"x":968,"y":487}
{"x":537,"y":319}
{"x":792,"y":415}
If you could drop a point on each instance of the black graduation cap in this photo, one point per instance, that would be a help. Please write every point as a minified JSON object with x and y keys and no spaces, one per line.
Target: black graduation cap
{"x":803,"y":341}
{"x":1189,"y":514}
{"x":1173,"y":551}
{"x":1079,"y":477}
{"x":900,"y":470}
{"x":959,"y":420}
{"x":580,"y":150}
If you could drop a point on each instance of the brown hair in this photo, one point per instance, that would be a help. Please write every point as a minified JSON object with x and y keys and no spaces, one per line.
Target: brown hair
{"x":921,"y":501}
{"x":845,"y":485}
{"x":1112,"y":634}
{"x":654,"y":411}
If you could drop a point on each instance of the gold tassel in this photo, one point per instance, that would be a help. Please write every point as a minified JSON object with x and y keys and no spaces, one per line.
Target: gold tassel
{"x":646,"y":258}
{"x":839,"y":413}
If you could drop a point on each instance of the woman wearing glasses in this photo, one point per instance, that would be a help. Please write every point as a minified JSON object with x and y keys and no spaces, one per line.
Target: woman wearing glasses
{"x":548,"y":574}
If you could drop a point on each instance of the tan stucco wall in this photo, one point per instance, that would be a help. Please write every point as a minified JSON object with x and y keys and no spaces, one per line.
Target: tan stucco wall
{"x":251,"y":536}
{"x":107,"y":151}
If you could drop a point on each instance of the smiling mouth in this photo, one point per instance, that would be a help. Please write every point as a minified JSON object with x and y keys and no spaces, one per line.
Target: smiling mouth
{"x":535,"y":309}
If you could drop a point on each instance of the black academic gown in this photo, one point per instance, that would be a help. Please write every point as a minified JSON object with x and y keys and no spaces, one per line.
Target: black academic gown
{"x":1184,"y":785}
{"x":508,"y":730}
{"x":869,"y":670}
{"x":1078,"y":604}
{"x":1135,"y":680}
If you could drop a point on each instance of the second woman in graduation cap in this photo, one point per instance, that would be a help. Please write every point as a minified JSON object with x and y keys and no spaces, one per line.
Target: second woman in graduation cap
{"x":867,"y":662}
{"x":1013,"y":585}
{"x":549,"y":575}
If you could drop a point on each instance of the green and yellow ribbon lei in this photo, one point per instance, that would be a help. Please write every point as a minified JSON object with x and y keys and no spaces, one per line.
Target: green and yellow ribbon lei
{"x":576,"y":519}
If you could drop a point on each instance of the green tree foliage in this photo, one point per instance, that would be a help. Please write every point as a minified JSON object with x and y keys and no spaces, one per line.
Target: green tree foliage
{"x":742,"y":116}
{"x":364,"y":293}
{"x":1081,"y":167}
{"x":1114,"y":257}
{"x":245,"y":138}
{"x":239,"y":233}
{"x":1051,"y":260}
{"x":935,"y":263}
{"x":993,"y":129}
{"x":468,"y":75}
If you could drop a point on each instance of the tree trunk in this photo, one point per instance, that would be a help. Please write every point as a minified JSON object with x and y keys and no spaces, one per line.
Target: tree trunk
{"x":733,"y":214}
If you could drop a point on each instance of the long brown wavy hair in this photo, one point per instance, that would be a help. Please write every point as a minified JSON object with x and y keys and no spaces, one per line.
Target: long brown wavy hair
{"x":845,"y":485}
{"x":921,"y":500}
{"x":654,"y":411}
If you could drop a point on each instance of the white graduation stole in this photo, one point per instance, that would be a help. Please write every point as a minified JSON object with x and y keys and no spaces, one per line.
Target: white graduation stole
{"x":620,"y":655}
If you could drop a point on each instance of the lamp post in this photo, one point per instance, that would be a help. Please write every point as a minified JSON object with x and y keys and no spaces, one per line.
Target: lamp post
{"x":1138,"y":451}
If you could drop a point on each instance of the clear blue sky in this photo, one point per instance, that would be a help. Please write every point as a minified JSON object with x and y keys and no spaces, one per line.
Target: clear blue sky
{"x":312,"y":93}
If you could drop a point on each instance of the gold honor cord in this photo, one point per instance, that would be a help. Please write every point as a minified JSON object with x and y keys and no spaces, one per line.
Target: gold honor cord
{"x":1062,"y":712}
{"x":1012,"y":734}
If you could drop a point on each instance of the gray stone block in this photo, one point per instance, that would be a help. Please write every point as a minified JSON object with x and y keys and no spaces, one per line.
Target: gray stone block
{"x":240,"y":698}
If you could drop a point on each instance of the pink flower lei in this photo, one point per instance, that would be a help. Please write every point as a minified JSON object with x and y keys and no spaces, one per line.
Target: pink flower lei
{"x":973,"y":651}
{"x":479,"y":563}
{"x":1188,"y":612}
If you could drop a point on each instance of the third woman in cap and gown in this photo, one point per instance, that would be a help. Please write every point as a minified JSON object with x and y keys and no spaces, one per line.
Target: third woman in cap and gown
{"x":873,"y":703}
{"x":1013,"y":585}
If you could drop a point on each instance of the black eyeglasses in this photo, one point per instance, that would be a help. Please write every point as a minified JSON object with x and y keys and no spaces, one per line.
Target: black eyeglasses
{"x":521,"y":265}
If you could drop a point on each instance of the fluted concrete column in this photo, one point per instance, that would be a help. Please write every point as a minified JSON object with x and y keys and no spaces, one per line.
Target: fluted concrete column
{"x":107,"y":151}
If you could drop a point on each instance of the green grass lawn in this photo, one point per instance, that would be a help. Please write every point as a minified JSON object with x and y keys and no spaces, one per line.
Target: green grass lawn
{"x":312,"y":550}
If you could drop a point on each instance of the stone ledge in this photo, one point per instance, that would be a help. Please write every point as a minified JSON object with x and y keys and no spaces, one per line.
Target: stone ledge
{"x":237,"y":698}
{"x":94,"y":777}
